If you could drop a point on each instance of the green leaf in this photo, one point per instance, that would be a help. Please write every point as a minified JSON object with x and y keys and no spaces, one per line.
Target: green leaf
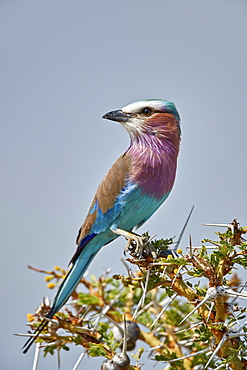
{"x":88,"y":299}
{"x":97,"y":350}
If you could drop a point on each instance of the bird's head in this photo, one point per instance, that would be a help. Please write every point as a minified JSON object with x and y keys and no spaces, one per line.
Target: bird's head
{"x":151,"y":117}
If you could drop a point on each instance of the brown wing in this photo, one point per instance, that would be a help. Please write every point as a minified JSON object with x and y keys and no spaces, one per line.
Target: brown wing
{"x":107,"y":193}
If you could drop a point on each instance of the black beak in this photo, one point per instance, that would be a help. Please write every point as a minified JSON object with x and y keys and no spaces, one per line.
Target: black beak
{"x":118,"y":116}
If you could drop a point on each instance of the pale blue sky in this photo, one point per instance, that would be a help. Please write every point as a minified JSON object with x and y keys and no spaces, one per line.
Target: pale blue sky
{"x":66,"y":63}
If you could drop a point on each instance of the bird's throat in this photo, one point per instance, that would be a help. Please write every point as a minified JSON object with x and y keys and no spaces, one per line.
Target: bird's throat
{"x":154,"y":166}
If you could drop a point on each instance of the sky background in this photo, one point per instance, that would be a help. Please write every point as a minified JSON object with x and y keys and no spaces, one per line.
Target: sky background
{"x":63,"y":65}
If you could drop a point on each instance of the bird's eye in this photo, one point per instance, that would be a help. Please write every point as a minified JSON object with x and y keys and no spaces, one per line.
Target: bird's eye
{"x":147,"y":112}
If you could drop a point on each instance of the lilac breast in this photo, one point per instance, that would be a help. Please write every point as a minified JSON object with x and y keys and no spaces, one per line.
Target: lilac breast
{"x":154,"y":165}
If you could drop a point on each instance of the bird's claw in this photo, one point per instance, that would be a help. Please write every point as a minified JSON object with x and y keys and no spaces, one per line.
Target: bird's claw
{"x":139,"y":246}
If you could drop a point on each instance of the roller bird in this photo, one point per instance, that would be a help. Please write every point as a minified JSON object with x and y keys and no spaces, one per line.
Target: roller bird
{"x":133,"y":189}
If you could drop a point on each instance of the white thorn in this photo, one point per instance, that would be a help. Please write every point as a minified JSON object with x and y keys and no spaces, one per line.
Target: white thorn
{"x":124,"y":349}
{"x":191,"y":326}
{"x":144,"y":308}
{"x":215,"y":351}
{"x":79,"y":360}
{"x":183,"y":230}
{"x":169,"y":299}
{"x":176,"y":275}
{"x":225,"y":337}
{"x":190,"y":355}
{"x":58,"y":357}
{"x":210,"y":310}
{"x":36,"y":356}
{"x":142,"y":300}
{"x":218,"y":225}
{"x":211,"y":294}
{"x":232,"y":293}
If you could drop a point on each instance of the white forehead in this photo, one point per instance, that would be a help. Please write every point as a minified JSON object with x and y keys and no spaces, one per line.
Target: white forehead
{"x":137,"y":106}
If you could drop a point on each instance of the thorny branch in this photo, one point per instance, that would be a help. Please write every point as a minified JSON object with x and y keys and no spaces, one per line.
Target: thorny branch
{"x":185,"y":323}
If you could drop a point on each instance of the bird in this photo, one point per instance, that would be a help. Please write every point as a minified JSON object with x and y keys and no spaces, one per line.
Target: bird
{"x":136,"y":185}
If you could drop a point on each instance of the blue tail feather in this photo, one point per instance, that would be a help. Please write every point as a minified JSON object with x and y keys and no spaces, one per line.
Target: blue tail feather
{"x":65,"y":290}
{"x":71,"y":281}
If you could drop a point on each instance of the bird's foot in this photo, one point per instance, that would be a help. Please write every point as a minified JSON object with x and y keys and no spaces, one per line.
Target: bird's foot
{"x":137,"y":245}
